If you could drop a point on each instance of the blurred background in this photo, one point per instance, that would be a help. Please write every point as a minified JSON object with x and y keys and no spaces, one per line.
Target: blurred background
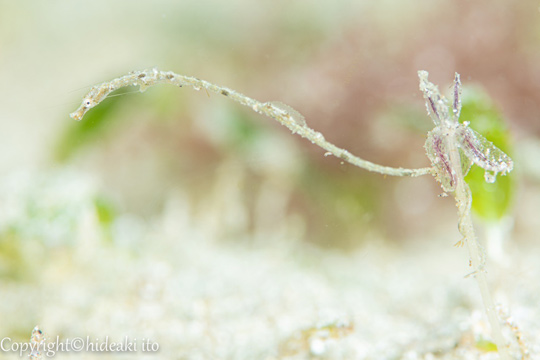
{"x":183,"y":217}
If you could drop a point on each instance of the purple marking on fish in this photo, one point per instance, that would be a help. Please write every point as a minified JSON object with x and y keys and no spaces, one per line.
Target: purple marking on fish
{"x":437,"y":145}
{"x":433,"y":108}
{"x":470,"y":143}
{"x":457,"y":84}
{"x":473,"y":148}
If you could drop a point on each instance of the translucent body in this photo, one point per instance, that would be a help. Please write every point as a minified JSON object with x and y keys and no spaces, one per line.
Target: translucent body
{"x":284,"y":114}
{"x":449,"y":133}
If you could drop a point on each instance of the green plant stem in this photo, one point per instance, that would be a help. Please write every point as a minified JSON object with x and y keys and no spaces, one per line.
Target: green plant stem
{"x":463,"y":201}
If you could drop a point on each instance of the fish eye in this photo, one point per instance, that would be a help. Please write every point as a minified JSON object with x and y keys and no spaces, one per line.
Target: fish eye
{"x":88,"y":102}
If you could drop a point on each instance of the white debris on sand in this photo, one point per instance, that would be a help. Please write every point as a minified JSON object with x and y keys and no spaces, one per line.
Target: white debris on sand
{"x":203,"y":299}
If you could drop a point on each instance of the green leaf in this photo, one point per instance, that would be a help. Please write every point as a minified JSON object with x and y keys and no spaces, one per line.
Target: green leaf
{"x":486,"y":345}
{"x":106,"y":213}
{"x":102,"y":120}
{"x":490,"y":201}
{"x":80,"y":133}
